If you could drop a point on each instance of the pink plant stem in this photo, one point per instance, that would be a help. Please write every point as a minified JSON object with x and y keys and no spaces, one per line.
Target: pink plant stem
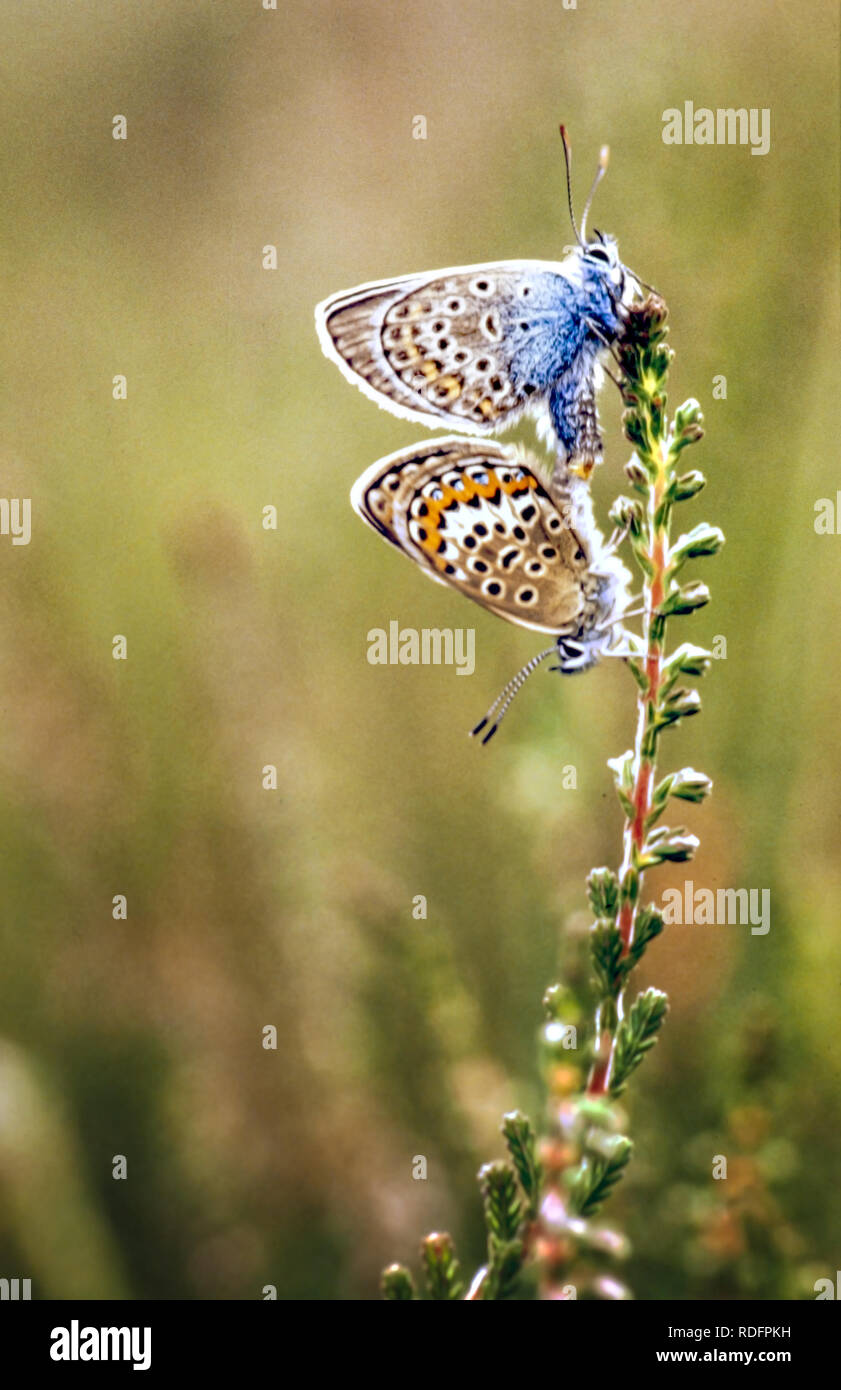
{"x":635,"y":825}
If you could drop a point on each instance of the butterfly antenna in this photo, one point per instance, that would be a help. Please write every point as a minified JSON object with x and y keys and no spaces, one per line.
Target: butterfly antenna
{"x":604,"y":156}
{"x":568,"y":162}
{"x":506,"y":695}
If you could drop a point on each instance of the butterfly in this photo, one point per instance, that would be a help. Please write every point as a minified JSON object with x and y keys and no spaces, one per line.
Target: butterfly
{"x":478,"y":346}
{"x":476,"y":516}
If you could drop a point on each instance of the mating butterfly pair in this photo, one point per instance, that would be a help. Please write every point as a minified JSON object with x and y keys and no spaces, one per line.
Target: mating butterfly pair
{"x":478,"y":347}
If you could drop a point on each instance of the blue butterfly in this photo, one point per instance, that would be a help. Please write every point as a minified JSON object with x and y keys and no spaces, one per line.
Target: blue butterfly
{"x":478,"y":346}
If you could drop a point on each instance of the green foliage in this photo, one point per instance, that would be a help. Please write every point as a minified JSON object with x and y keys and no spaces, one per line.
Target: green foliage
{"x":667,"y":846}
{"x":397,"y":1285}
{"x":649,"y":925}
{"x":522,"y":1144}
{"x":498,"y":1183}
{"x":504,"y":1270}
{"x":508,"y":1209}
{"x":623,"y":929}
{"x":606,"y":949}
{"x":702,"y":540}
{"x":503,"y":1213}
{"x":681,"y":602}
{"x":636,"y":1035}
{"x":598,"y":1174}
{"x":689,"y":785}
{"x":441,"y":1268}
{"x":603,"y":892}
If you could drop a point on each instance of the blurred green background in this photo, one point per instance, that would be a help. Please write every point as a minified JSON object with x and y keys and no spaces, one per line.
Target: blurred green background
{"x":293,"y":907}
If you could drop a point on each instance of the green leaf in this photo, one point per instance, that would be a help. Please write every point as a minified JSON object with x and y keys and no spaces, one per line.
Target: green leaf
{"x":629,"y":887}
{"x":639,"y":674}
{"x":688,"y":414}
{"x":597,"y":1175}
{"x":686,"y":785}
{"x":504,"y":1270}
{"x":668,"y":846}
{"x":635,"y":429}
{"x":606,"y":953}
{"x":693,"y":545}
{"x":637,"y":475}
{"x":688,"y":486}
{"x":684,"y":600}
{"x":690,"y":785}
{"x":679,"y":704}
{"x":686,"y":660}
{"x":440,"y":1267}
{"x":623,"y":769}
{"x":642,"y":559}
{"x":397,"y":1285}
{"x":663,"y":511}
{"x":503,"y":1211}
{"x":687,"y":429}
{"x":627,"y":515}
{"x":603,"y":892}
{"x":659,"y":797}
{"x":522,"y":1146}
{"x":636,"y":1035}
{"x":623,"y":777}
{"x":503,"y":1214}
{"x":648,"y":925}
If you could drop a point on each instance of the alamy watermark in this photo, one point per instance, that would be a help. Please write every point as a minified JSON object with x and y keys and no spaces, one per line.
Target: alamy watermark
{"x":82,"y":1343}
{"x":16,"y":519}
{"x":690,"y":906}
{"x":16,"y":1290}
{"x":726,"y":125}
{"x":828,"y":515}
{"x":429,"y":646}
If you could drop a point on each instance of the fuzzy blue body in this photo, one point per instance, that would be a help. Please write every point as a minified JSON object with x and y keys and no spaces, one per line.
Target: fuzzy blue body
{"x":553,"y":350}
{"x":478,"y":346}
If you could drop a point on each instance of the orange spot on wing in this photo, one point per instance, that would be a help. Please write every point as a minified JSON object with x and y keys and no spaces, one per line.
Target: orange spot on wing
{"x":453,"y":387}
{"x":468,"y":489}
{"x":515,"y":485}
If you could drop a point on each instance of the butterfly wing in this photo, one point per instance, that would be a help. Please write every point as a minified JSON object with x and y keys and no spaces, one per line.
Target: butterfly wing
{"x":477,"y":517}
{"x":474,"y":346}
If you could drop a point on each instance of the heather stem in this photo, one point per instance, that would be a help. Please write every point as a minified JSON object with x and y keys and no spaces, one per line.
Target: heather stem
{"x":539,"y":1203}
{"x":586,"y":1153}
{"x":645,"y":747}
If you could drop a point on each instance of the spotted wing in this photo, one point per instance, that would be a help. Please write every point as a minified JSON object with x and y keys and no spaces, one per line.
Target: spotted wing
{"x":476,"y":516}
{"x":473,"y":346}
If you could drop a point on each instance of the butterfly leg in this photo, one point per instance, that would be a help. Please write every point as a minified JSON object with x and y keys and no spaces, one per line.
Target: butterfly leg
{"x":623,"y":652}
{"x":615,"y":540}
{"x":609,"y":343}
{"x":625,"y":644}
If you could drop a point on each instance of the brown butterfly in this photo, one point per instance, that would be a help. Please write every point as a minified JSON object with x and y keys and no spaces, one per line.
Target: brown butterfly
{"x":478,"y":517}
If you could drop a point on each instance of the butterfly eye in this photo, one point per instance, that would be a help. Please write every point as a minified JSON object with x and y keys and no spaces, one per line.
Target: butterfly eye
{"x":572,"y":654}
{"x":598,"y":253}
